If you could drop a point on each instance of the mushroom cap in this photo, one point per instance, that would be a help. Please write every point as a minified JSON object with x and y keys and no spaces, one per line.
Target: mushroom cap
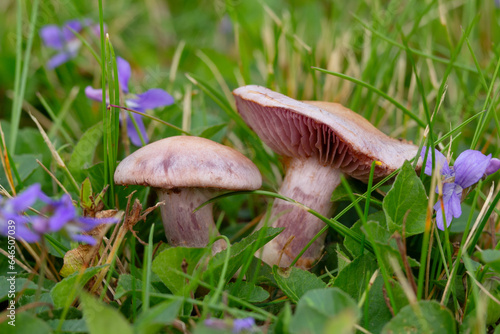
{"x":186,"y":161}
{"x":335,"y":135}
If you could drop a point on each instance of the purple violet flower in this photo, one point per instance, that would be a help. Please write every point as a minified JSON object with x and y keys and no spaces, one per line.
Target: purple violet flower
{"x":151,"y":99}
{"x":469,"y":168}
{"x":237,"y":326}
{"x":64,"y":40}
{"x":61,"y":216}
{"x":245,"y":324}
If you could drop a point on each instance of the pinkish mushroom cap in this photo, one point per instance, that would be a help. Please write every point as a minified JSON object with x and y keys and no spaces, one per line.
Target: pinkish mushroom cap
{"x":188,"y":162}
{"x":186,"y":172}
{"x":333,"y":134}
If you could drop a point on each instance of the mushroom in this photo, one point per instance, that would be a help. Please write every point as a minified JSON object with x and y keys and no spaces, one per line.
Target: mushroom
{"x":186,"y":172}
{"x":319,"y":141}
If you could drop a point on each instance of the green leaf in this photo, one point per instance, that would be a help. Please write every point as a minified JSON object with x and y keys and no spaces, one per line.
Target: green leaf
{"x":26,"y":164}
{"x":362,"y":268}
{"x":295,"y":282}
{"x":378,"y":313}
{"x":382,"y":234}
{"x":126,"y":283}
{"x":342,"y":323}
{"x":70,"y":326}
{"x":491,"y":257}
{"x":248,"y":292}
{"x":24,"y":323}
{"x":212,"y":130}
{"x":44,"y":299}
{"x":240,"y":251}
{"x":102,"y":318}
{"x":85,"y":193}
{"x":65,"y":288}
{"x":157,"y":317}
{"x":260,"y":272}
{"x":317,"y":309}
{"x":406,"y":195}
{"x":96,"y":175}
{"x":83,"y":153}
{"x":282,"y":324}
{"x":423,"y":317}
{"x":21,"y":284}
{"x":168,"y":266}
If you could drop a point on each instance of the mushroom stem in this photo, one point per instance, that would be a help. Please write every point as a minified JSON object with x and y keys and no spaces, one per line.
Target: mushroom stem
{"x":309,"y":183}
{"x":183,"y":227}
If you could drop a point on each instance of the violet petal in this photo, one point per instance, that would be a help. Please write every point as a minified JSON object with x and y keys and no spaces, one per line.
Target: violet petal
{"x":153,"y":98}
{"x":75,"y":25}
{"x":52,"y":36}
{"x":132,"y":132}
{"x":60,"y":59}
{"x":441,"y":162}
{"x":87,"y":239}
{"x":86,"y":223}
{"x":451,"y":202}
{"x":93,"y":93}
{"x":240,"y":325}
{"x":493,"y":166}
{"x":124,"y":72}
{"x":64,"y":213}
{"x":23,"y":232}
{"x":470,"y":167}
{"x":25,"y":199}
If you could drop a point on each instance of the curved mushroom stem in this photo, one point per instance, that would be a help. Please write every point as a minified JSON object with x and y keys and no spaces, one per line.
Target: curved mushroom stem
{"x":311,"y":184}
{"x":186,"y":228}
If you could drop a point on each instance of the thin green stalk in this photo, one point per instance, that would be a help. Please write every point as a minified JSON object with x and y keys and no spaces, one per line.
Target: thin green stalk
{"x":259,"y":313}
{"x":478,"y":67}
{"x":150,"y":117}
{"x":415,"y":51}
{"x":16,"y":111}
{"x":56,"y":244}
{"x":426,"y":242}
{"x":423,"y":256}
{"x":105,"y":120}
{"x":86,"y":44}
{"x":424,"y":102}
{"x":146,"y":271}
{"x":52,"y":115}
{"x":457,"y":264}
{"x":483,"y":222}
{"x":482,"y":124}
{"x":238,"y":300}
{"x":109,"y":275}
{"x":58,"y":120}
{"x":368,"y":193}
{"x":376,"y":250}
{"x":133,"y":272}
{"x":405,"y":110}
{"x":333,"y":223}
{"x":113,"y":132}
{"x":20,"y":84}
{"x":222,"y":280}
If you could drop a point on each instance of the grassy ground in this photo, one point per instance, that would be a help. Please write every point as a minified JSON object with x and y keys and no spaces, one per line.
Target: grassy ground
{"x":422,"y":71}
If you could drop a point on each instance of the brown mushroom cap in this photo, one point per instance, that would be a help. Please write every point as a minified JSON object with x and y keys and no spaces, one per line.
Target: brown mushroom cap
{"x":334,"y":134}
{"x":186,"y":161}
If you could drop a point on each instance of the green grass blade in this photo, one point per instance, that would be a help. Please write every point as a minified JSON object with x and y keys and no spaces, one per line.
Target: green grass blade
{"x":146,"y":272}
{"x":405,"y":110}
{"x":20,"y":85}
